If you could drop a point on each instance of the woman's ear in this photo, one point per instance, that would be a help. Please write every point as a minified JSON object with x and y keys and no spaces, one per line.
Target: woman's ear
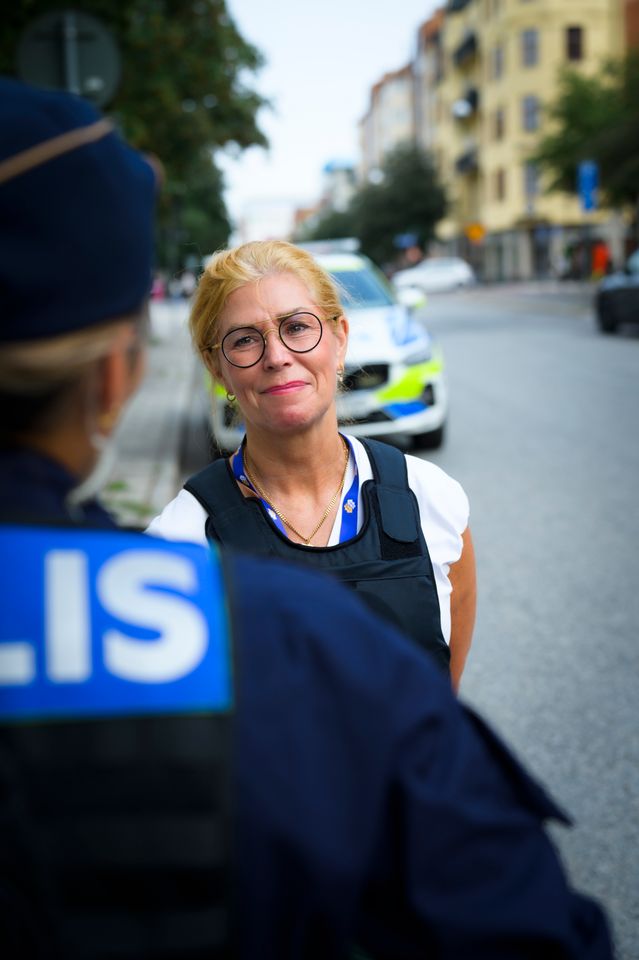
{"x":341,"y":333}
{"x":211,"y":363}
{"x":119,"y":373}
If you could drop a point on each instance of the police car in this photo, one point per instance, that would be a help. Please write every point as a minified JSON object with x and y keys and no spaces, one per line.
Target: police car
{"x":394,"y":380}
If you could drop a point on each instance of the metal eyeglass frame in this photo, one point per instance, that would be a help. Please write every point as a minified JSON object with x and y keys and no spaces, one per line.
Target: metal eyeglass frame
{"x":297,"y":313}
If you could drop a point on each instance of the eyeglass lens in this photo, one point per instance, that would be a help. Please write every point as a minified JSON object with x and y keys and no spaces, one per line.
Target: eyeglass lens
{"x":300,"y":333}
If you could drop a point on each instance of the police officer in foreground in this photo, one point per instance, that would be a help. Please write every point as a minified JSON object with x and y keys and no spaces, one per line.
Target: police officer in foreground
{"x":193,"y":761}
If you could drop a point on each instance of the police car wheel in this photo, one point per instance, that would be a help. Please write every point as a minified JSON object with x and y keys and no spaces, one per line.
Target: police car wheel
{"x":430,"y":440}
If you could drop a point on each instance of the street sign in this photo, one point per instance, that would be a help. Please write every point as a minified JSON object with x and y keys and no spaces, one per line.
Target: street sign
{"x":405,"y":240}
{"x":475,"y":232}
{"x":73,"y":51}
{"x":587,"y":184}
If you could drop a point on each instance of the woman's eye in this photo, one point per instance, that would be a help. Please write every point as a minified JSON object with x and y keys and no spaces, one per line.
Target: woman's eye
{"x":295,"y":326}
{"x":244,"y":340}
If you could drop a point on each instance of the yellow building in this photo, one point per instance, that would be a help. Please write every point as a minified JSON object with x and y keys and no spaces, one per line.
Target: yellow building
{"x":501,"y":65}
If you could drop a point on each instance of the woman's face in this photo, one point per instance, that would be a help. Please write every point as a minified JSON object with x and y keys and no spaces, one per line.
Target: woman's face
{"x":284,"y":391}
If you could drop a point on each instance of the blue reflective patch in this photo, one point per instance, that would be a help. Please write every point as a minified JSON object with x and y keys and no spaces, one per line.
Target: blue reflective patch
{"x":110,"y":623}
{"x":397,"y":410}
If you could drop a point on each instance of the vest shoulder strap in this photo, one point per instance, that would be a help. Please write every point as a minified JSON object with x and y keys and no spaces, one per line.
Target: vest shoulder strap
{"x":398,"y":509}
{"x":211,"y":487}
{"x":232,"y":518}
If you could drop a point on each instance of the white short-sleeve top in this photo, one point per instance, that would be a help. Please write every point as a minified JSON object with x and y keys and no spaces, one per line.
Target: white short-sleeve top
{"x":443,"y":511}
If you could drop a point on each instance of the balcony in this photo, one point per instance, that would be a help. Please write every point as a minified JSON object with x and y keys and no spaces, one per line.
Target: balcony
{"x":466,"y":106}
{"x":454,"y":6}
{"x":472,"y":98}
{"x":466,"y":50}
{"x":467,"y":162}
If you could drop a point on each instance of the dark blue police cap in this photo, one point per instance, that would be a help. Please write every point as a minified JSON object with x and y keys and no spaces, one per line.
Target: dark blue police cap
{"x":76,"y":216}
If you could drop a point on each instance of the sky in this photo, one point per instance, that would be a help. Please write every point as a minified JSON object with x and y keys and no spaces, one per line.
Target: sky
{"x":321,"y":61}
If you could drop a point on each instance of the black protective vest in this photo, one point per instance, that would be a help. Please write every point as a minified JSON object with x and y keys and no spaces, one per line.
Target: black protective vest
{"x":387,"y":563}
{"x":115,"y":835}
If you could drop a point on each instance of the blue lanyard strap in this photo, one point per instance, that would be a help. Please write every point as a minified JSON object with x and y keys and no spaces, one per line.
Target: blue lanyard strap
{"x":350,"y":501}
{"x":240,"y":475}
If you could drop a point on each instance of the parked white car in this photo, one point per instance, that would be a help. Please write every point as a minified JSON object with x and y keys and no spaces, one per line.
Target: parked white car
{"x":436,"y":275}
{"x":394,"y":380}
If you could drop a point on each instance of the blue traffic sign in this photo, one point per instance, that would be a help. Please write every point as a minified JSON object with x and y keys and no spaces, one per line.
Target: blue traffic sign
{"x":587,"y":184}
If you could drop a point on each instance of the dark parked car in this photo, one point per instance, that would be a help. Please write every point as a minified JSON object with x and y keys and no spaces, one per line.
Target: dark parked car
{"x":617,"y":299}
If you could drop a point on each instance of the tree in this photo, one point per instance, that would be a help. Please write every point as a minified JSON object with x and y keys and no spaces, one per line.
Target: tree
{"x":408,"y":200}
{"x":595,"y":118}
{"x":331,"y":225}
{"x":183,"y":91}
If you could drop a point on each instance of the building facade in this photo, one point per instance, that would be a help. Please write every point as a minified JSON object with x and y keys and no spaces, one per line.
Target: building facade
{"x":483,"y":72}
{"x":389,"y":120}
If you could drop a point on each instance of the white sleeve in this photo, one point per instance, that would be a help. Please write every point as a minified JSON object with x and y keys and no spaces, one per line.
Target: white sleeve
{"x":443,"y":511}
{"x":184,"y":518}
{"x":443,"y":507}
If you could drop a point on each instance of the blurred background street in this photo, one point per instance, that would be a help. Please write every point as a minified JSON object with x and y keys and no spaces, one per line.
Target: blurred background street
{"x":542,"y":434}
{"x":502,"y":135}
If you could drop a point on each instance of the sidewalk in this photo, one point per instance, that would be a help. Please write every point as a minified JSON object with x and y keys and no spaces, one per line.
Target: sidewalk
{"x":146,"y":472}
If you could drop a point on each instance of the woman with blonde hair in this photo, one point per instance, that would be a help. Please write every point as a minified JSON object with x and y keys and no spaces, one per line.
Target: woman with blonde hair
{"x":165,"y":788}
{"x":269,"y":325}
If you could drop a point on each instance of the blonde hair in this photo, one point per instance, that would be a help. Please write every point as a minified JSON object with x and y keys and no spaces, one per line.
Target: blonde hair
{"x":228,"y":270}
{"x":35,"y":375}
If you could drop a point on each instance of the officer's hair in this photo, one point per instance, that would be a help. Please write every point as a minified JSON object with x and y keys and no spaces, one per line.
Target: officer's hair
{"x":229,"y":270}
{"x":36,"y":377}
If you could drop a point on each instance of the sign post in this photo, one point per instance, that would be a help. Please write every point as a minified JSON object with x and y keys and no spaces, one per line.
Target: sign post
{"x":73,"y":51}
{"x":588,"y":184}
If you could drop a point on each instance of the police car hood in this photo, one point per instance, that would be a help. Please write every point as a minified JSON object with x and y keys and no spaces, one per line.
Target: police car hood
{"x":383,"y":335}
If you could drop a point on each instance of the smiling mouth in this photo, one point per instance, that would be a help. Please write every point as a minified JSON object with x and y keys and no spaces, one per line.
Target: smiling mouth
{"x":286,"y":387}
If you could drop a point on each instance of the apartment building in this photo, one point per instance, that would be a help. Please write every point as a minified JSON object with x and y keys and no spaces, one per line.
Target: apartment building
{"x":503,"y":60}
{"x":482,"y":74}
{"x":389,"y":120}
{"x":427,"y":77}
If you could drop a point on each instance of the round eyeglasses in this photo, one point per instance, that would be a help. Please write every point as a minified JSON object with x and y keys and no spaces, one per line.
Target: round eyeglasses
{"x":245,"y":346}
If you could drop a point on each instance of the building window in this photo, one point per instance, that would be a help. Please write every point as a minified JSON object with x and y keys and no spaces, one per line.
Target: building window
{"x":531,"y":180}
{"x":530,"y":113}
{"x":529,"y":48}
{"x":500,"y":184}
{"x":498,"y":124}
{"x":497,"y":62}
{"x":574,"y":43}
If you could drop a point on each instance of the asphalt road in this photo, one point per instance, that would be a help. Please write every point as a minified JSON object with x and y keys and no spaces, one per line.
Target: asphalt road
{"x":543,"y":435}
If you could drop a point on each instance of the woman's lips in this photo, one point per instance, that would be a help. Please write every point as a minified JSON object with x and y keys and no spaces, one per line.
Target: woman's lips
{"x":289,"y":387}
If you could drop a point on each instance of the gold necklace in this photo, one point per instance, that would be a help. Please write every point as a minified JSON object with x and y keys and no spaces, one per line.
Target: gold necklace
{"x":287,"y":523}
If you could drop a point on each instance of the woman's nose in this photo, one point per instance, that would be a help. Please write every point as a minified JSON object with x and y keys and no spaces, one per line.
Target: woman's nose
{"x":274,"y":349}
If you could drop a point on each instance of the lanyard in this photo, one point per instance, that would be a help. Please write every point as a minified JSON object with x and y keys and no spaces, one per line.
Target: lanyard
{"x":350,"y":500}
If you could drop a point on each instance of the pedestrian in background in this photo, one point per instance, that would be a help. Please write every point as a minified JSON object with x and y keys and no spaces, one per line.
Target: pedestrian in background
{"x":268,"y":323}
{"x":206,"y":755}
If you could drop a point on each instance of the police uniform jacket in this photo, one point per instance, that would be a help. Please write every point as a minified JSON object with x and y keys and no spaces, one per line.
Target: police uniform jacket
{"x":368,"y":811}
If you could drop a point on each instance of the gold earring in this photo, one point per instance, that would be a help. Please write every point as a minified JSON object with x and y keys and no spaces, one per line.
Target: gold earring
{"x":107,"y":421}
{"x":230,"y":397}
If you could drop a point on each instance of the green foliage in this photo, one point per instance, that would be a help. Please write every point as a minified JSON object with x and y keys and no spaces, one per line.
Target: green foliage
{"x":182,"y":94}
{"x":595,"y":118}
{"x":408,"y":199}
{"x":332,"y":225}
{"x":196,"y":221}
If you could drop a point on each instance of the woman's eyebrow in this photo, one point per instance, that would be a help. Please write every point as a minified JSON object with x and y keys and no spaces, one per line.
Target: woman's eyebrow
{"x":278,"y":316}
{"x":291,"y":313}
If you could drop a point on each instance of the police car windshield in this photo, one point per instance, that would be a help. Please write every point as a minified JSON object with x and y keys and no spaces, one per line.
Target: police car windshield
{"x":361,"y":288}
